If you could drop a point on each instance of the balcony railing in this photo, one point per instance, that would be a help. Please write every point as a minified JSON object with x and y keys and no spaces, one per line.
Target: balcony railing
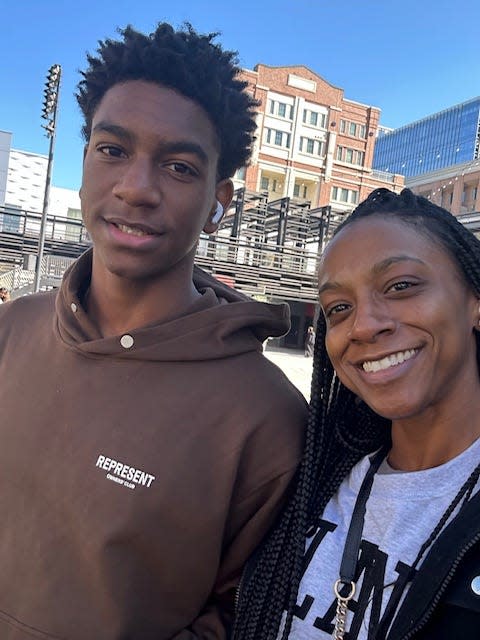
{"x":384,"y":176}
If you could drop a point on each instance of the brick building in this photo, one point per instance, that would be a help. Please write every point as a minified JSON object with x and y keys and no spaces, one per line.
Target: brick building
{"x":312,"y":143}
{"x":455,"y":188}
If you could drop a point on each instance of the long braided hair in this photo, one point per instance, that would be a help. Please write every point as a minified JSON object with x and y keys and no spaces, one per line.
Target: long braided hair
{"x":340,"y":431}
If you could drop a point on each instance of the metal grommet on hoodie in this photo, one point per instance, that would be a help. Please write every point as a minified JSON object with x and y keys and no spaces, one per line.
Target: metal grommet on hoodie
{"x":127,"y":341}
{"x":475,"y":585}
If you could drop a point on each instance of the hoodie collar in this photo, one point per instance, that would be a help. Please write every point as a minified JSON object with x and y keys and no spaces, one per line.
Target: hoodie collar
{"x":223,"y":322}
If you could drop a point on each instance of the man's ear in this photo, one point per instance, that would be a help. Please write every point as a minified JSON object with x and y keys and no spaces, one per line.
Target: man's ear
{"x":223,"y":198}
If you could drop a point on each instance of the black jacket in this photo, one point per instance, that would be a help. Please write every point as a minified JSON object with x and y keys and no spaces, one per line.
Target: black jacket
{"x":441,"y":603}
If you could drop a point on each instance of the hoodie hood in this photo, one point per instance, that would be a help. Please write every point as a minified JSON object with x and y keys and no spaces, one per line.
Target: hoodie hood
{"x":222,"y":323}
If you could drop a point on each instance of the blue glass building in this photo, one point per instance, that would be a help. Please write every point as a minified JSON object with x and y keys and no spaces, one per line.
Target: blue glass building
{"x":441,"y":140}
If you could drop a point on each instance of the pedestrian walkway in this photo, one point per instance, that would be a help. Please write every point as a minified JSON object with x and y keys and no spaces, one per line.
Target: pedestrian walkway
{"x":296,"y":367}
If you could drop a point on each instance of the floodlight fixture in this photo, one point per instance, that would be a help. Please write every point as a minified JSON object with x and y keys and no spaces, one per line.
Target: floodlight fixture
{"x":49,"y":113}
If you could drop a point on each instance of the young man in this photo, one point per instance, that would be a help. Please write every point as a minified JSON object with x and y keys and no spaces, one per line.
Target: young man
{"x":146,"y":444}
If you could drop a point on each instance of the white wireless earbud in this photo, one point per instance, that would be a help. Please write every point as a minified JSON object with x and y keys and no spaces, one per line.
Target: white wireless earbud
{"x":218,"y":215}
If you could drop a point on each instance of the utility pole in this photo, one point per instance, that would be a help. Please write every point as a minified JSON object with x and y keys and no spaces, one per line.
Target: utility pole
{"x":49,"y":113}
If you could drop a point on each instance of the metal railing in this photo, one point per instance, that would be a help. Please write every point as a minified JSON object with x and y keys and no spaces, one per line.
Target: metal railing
{"x":384,"y":176}
{"x":260,"y":268}
{"x":254,"y":263}
{"x":20,"y":281}
{"x":27,"y":223}
{"x":470,"y":220}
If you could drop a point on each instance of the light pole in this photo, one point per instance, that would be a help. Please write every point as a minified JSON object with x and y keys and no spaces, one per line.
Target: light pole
{"x":49,"y":113}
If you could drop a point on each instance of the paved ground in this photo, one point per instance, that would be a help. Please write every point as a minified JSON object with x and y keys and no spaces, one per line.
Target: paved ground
{"x":295,"y":366}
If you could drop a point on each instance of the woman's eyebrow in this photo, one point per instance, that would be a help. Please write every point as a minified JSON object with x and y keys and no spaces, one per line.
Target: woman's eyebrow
{"x":383,"y":265}
{"x":379,"y":267}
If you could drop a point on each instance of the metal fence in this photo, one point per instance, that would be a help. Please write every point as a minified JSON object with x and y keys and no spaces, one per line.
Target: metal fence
{"x":27,"y":223}
{"x":246,"y":252}
{"x":261,"y":269}
{"x":19,"y":281}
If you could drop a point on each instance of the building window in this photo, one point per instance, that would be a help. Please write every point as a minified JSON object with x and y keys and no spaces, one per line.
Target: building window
{"x":314,"y":118}
{"x":270,"y":184}
{"x":281,"y":109}
{"x":346,"y":196}
{"x":278,"y":138}
{"x":300,"y":191}
{"x":311,"y":146}
{"x":353,"y":129}
{"x":351,"y":156}
{"x":10,"y":223}
{"x":73,"y":232}
{"x":240,"y":173}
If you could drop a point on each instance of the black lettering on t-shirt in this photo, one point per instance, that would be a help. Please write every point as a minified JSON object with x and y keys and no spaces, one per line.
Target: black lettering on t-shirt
{"x":324,"y":527}
{"x":372,"y":564}
{"x":371,"y":568}
{"x":405,"y":575}
{"x":302,"y":610}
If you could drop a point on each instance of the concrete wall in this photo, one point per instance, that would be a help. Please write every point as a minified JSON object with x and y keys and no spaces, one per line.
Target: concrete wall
{"x":27,"y":174}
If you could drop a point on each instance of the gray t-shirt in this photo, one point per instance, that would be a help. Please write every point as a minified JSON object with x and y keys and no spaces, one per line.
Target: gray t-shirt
{"x":402,"y":510}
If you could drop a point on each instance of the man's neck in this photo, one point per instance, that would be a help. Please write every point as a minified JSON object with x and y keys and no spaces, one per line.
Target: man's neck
{"x":117,"y":305}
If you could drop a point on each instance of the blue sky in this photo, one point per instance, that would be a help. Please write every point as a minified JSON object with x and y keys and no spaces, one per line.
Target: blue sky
{"x":410,"y":58}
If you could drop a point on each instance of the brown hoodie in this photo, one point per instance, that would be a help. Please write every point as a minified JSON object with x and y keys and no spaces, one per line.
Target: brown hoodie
{"x":138,"y":473}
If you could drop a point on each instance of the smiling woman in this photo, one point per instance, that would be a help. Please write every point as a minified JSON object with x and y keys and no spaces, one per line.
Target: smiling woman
{"x":381,"y":539}
{"x":394,"y":336}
